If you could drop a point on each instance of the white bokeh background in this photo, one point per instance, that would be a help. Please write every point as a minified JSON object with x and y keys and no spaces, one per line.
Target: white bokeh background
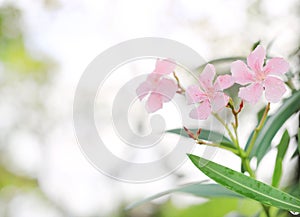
{"x":74,"y":32}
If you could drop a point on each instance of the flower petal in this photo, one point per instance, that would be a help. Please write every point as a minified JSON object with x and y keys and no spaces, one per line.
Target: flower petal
{"x":167,"y":89}
{"x":207,"y":76}
{"x":251,"y":93}
{"x":276,"y":66}
{"x":164,"y":67}
{"x":241,"y":73}
{"x":154,"y":102}
{"x":274,"y":89}
{"x":202,"y":111}
{"x":223,"y":82}
{"x":154,"y":79}
{"x":143,"y":90}
{"x":194,"y":94}
{"x":256,"y":59}
{"x":219,"y":101}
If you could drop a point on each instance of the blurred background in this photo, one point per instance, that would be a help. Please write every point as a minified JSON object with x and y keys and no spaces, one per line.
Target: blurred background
{"x":45,"y":45}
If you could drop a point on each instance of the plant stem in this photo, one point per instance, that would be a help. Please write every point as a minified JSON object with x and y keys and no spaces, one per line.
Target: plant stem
{"x":226,"y":127}
{"x":201,"y":142}
{"x":181,"y":89}
{"x":246,"y":163}
{"x":242,"y":154}
{"x":235,"y":126}
{"x":267,"y":210}
{"x":235,"y":139}
{"x":257,"y":129}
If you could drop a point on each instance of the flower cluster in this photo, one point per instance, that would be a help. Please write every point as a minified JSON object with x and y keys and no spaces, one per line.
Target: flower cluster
{"x":259,"y":78}
{"x":255,"y":78}
{"x":157,"y":88}
{"x":208,"y":94}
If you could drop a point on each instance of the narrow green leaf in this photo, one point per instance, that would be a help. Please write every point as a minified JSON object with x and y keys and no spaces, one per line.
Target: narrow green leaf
{"x":273,"y":124}
{"x":208,"y":191}
{"x":296,"y":153}
{"x":277,"y":172}
{"x":281,"y":151}
{"x":197,"y":189}
{"x":206,"y":135}
{"x":298,"y":137}
{"x":255,"y":45}
{"x":246,"y":186}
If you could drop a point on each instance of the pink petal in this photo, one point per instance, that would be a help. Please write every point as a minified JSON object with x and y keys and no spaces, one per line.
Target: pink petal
{"x":274,"y":89}
{"x":256,"y":59}
{"x":154,"y":102}
{"x":143,"y":90}
{"x":219,"y":101}
{"x":207,"y":76}
{"x":251,"y":93}
{"x":276,"y":66}
{"x":167,"y":89}
{"x":223,"y":82}
{"x":194,"y":94}
{"x":241,"y":73}
{"x":153,"y":79}
{"x":164,"y":67}
{"x":202,"y":111}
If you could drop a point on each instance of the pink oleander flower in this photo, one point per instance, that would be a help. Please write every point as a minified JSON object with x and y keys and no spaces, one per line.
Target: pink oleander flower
{"x":259,"y":78}
{"x":157,"y":87}
{"x":210,"y":95}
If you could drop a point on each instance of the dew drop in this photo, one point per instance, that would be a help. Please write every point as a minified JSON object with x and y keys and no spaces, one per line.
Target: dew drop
{"x":294,"y":213}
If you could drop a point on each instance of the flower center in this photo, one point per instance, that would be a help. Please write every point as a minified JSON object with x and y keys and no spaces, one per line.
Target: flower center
{"x":210,"y":92}
{"x":260,"y":75}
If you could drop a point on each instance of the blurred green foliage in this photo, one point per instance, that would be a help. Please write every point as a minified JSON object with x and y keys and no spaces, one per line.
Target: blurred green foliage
{"x":217,"y":207}
{"x":213,"y":208}
{"x":14,"y":54}
{"x":16,"y":64}
{"x":8,"y":178}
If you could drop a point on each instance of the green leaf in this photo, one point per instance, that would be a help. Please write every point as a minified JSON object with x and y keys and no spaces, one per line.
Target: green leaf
{"x":246,"y":185}
{"x":197,"y":189}
{"x":213,"y":208}
{"x":261,"y":113}
{"x":206,"y":135}
{"x":255,"y":45}
{"x":298,"y":137}
{"x":281,"y":151}
{"x":296,"y":153}
{"x":221,"y":60}
{"x":273,"y":124}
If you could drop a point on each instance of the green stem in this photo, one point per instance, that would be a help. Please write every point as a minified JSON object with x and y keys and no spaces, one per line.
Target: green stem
{"x":242,"y":154}
{"x":181,"y":89}
{"x":201,"y":142}
{"x":246,"y":163}
{"x":235,"y":140}
{"x":226,"y":127}
{"x":257,"y":130}
{"x":267,"y":210}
